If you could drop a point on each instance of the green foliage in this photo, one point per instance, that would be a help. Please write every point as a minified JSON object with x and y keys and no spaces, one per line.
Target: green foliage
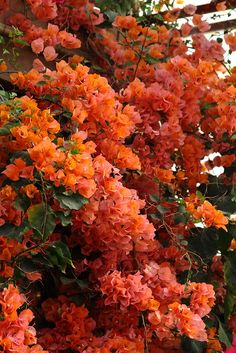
{"x":14,"y":232}
{"x":70,"y":200}
{"x":189,"y":345}
{"x":224,"y":334}
{"x":42,"y":219}
{"x":203,"y":242}
{"x":230,"y":271}
{"x":58,"y":254}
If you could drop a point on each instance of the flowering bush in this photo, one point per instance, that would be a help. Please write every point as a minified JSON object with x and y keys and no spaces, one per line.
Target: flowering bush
{"x":115,"y":233}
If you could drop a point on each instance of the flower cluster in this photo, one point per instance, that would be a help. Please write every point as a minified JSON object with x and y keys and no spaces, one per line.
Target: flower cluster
{"x":44,"y":40}
{"x":106,"y":170}
{"x":16,"y":335}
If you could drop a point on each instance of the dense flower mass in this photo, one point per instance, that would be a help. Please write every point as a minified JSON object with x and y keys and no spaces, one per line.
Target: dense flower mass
{"x":15,"y":333}
{"x":116,"y":233}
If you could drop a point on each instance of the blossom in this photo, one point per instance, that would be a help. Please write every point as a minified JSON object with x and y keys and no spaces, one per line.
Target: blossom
{"x":11,"y":300}
{"x":125,"y":22}
{"x":211,"y":216}
{"x":68,"y":40}
{"x":49,"y":53}
{"x":37,"y":45}
{"x":38,"y":65}
{"x":221,"y":6}
{"x":190,"y":9}
{"x":126,"y":291}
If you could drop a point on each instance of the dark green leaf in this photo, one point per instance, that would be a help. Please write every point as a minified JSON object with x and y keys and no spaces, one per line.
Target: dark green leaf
{"x":162,"y":209}
{"x":41,"y":83}
{"x":224,"y":334}
{"x":226,"y":204}
{"x":154,"y":198}
{"x":59,"y":255}
{"x":64,"y":217}
{"x":203,"y":242}
{"x":13,"y":232}
{"x":181,"y":215}
{"x":189,"y":345}
{"x":4,"y":131}
{"x":126,"y":64}
{"x":151,"y":60}
{"x":230,"y":271}
{"x":71,"y":201}
{"x":78,"y":299}
{"x":228,"y":304}
{"x":224,"y":239}
{"x":27,"y":265}
{"x":42,"y":219}
{"x":22,"y":203}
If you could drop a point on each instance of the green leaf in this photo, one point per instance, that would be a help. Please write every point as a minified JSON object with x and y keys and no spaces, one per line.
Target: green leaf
{"x":78,"y":299}
{"x":181,"y":215}
{"x":189,"y":345}
{"x":230,"y":271}
{"x":4,"y":131}
{"x":224,"y":334}
{"x":22,"y":42}
{"x":126,"y":64}
{"x":228,"y":304}
{"x":27,"y":265}
{"x":13,"y":232}
{"x":41,"y":83}
{"x":64,"y":217}
{"x":42,"y":219}
{"x":111,"y":15}
{"x":151,"y":60}
{"x":154,"y":198}
{"x":59,"y":255}
{"x":162,"y":209}
{"x":226,"y":204}
{"x":203,"y":242}
{"x":22,"y":203}
{"x":71,"y":201}
{"x":225,"y":239}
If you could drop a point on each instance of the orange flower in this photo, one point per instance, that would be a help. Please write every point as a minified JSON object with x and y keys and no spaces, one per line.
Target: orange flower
{"x":12,"y":172}
{"x":210,"y":216}
{"x":3,"y":66}
{"x":163,"y":175}
{"x":69,"y":40}
{"x":231,"y":40}
{"x":125,"y":22}
{"x":30,"y":190}
{"x":37,"y":45}
{"x":221,"y":6}
{"x":49,"y":53}
{"x":11,"y":300}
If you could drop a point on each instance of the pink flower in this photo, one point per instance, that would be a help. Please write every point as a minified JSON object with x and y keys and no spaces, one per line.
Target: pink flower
{"x":186,"y":29}
{"x":68,"y":40}
{"x":38,"y":65}
{"x":49,"y":53}
{"x":190,"y":9}
{"x":221,"y":6}
{"x":37,"y":45}
{"x":203,"y":26}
